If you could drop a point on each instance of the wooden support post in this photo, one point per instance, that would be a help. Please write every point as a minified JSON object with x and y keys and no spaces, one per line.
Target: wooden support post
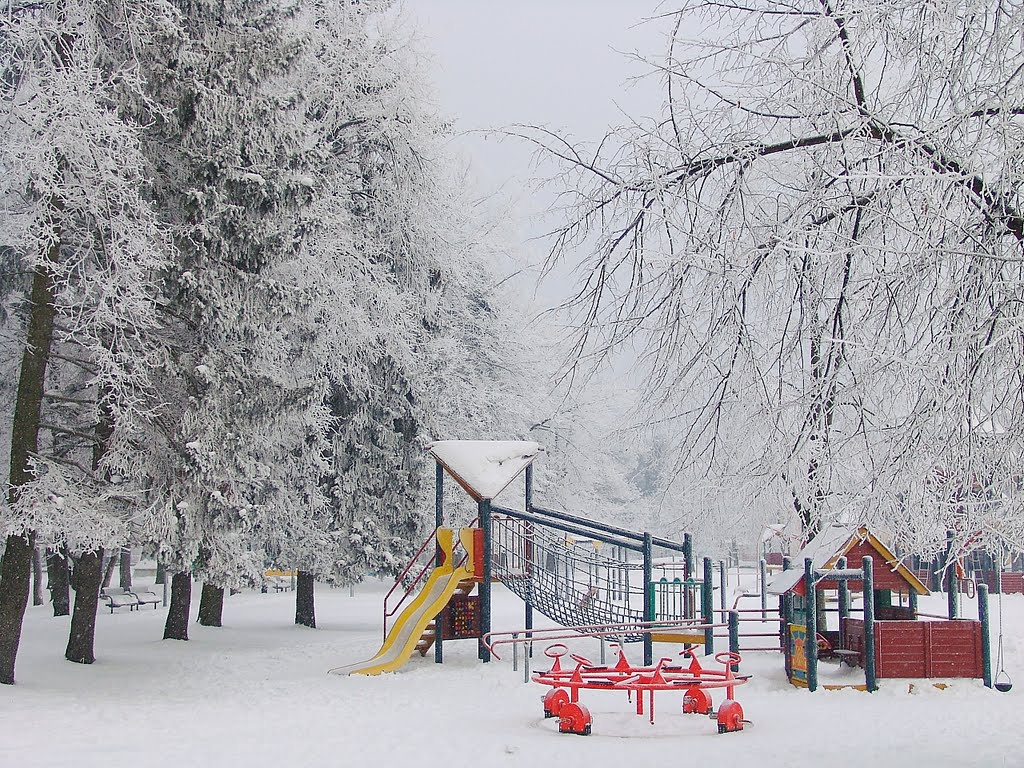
{"x":811,"y":622}
{"x":870,"y":657}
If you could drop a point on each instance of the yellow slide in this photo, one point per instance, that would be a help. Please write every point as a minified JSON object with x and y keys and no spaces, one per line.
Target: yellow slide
{"x":408,"y":628}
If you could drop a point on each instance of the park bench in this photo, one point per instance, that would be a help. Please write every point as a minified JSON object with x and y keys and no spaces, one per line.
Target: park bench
{"x":279,"y":583}
{"x":147,"y":596}
{"x":118,"y":597}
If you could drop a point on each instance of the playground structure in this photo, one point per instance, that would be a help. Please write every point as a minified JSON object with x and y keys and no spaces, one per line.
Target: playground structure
{"x":604,"y":581}
{"x":443,"y":582}
{"x":562,"y":701}
{"x":573,"y":570}
{"x":889,"y":640}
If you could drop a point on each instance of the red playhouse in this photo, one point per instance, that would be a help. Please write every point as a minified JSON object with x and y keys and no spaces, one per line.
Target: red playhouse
{"x":890,"y":638}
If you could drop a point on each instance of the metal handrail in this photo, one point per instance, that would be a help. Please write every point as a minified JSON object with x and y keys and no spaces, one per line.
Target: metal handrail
{"x":592,"y":630}
{"x":430,"y":565}
{"x":415,"y":582}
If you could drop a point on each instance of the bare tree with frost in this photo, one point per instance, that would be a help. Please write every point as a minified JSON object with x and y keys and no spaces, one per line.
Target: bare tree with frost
{"x":818,"y":247}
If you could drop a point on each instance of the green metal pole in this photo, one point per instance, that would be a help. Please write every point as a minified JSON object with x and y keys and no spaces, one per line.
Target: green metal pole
{"x":734,"y":636}
{"x":763,"y":566}
{"x":786,"y":604}
{"x":953,"y":595}
{"x":786,"y":608}
{"x":952,"y":582}
{"x":484,"y":508}
{"x":438,"y":522}
{"x":688,"y":606}
{"x":844,"y":601}
{"x":648,"y":597}
{"x":868,"y":580}
{"x":986,"y":651}
{"x":707,"y":600}
{"x":811,"y":622}
{"x":723,"y":580}
{"x":528,"y":556}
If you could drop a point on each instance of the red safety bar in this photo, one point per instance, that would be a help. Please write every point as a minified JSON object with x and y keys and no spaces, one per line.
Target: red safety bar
{"x":429,"y":566}
{"x":693,"y":680}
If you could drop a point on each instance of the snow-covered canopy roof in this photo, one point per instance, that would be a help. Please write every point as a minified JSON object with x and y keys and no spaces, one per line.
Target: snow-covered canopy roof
{"x":484,"y":468}
{"x":820,"y":549}
{"x":828,"y":546}
{"x":774,"y":531}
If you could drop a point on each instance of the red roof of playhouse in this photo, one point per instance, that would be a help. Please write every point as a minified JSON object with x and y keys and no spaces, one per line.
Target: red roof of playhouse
{"x":837,"y":541}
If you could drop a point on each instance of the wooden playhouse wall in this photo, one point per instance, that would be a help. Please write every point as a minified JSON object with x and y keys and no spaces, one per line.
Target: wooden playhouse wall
{"x":921,"y":648}
{"x":884,"y":575}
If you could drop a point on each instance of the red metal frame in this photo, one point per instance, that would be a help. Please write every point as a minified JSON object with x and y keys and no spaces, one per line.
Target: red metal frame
{"x":615,"y":631}
{"x":693,"y":679}
{"x":415,"y":582}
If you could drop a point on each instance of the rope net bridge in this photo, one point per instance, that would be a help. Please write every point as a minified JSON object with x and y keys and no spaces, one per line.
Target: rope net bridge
{"x":580,"y":577}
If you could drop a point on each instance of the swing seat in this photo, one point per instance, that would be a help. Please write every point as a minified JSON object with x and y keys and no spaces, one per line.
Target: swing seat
{"x":1002,"y":682}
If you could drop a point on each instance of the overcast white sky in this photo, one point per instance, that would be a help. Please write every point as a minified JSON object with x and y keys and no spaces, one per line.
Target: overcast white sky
{"x":558,"y":63}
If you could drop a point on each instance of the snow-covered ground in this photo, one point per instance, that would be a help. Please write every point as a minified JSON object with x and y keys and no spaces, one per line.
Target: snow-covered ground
{"x":255,"y":693}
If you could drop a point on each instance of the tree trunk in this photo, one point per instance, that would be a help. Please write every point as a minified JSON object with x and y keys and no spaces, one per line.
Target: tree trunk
{"x":37,"y":576}
{"x":126,"y":568}
{"x":89,"y":573}
{"x":58,"y":581}
{"x":108,"y":570}
{"x":15,"y":570}
{"x":176,"y":627}
{"x":304,"y":609}
{"x":86,"y":583}
{"x":211,"y":605}
{"x":16,"y":566}
{"x":161,"y":573}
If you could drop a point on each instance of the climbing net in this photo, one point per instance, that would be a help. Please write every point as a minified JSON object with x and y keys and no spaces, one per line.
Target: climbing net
{"x":572,"y":580}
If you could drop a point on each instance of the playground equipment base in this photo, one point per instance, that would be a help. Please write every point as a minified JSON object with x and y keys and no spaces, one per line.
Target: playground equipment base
{"x":562,"y":701}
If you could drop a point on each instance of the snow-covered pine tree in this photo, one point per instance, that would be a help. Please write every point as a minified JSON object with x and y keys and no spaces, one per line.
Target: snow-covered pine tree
{"x":72,"y":177}
{"x":415,"y":342}
{"x":365,"y":317}
{"x":244,"y":417}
